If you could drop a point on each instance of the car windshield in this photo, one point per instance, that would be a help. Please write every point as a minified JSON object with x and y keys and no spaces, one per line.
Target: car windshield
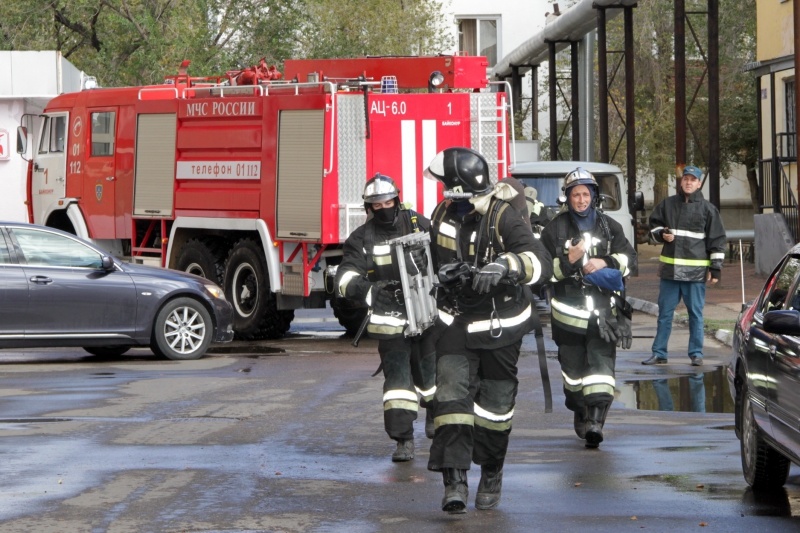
{"x":548,"y":189}
{"x":42,"y":248}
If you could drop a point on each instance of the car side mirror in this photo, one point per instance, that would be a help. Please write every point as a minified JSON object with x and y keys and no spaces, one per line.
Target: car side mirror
{"x":107,"y":263}
{"x":22,"y":140}
{"x":638,"y":201}
{"x":782,"y":322}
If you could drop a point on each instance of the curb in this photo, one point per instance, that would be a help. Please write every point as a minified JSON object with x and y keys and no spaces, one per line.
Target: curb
{"x":725,"y":336}
{"x":643,"y":305}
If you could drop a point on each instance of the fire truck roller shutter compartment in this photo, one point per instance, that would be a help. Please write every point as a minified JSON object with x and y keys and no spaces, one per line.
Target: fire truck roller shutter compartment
{"x":300,"y":147}
{"x":154,"y":181}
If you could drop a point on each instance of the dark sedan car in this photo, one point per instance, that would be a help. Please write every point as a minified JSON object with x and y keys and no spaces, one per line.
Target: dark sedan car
{"x":764,"y":377}
{"x":57,"y":290}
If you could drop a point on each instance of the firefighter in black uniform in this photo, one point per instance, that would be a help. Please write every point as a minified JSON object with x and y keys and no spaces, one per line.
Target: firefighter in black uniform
{"x":369,"y":272}
{"x":485,"y":255}
{"x":589,"y":314}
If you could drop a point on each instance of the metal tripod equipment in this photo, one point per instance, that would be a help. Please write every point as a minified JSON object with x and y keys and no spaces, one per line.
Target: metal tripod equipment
{"x":417,"y":288}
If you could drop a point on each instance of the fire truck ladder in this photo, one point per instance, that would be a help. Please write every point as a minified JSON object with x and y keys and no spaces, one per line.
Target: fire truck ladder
{"x":492,"y":123}
{"x":149,"y":245}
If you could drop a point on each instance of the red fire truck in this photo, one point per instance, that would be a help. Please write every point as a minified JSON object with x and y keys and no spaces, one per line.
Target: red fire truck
{"x":253,"y":179}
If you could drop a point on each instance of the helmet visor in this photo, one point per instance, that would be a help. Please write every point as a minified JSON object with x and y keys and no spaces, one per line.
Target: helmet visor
{"x":435,"y":170}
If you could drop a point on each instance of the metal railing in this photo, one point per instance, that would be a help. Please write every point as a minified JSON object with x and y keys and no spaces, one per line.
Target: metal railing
{"x":777,"y":194}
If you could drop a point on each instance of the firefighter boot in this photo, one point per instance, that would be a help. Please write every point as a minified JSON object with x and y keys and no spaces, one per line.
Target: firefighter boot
{"x":489,"y":487}
{"x":430,"y":429}
{"x":579,"y":422}
{"x":594,"y":425}
{"x":404,"y":451}
{"x":455,"y":490}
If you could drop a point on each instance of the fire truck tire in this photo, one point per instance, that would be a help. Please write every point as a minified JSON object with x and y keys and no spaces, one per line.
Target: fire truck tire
{"x":350,"y":318}
{"x":255,"y":310}
{"x":202,"y":257}
{"x":182,"y":330}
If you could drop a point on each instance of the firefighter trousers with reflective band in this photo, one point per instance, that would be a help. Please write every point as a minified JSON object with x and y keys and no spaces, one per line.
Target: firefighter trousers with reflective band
{"x":474,"y":402}
{"x":409,"y":368}
{"x":587,"y":369}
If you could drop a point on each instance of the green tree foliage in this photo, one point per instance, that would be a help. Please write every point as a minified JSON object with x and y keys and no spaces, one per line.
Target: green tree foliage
{"x":655,"y":89}
{"x":354,"y":28}
{"x":738,"y":101}
{"x":135,"y":42}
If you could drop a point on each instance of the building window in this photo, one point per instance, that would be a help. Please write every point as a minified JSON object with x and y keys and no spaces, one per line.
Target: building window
{"x":478,"y":37}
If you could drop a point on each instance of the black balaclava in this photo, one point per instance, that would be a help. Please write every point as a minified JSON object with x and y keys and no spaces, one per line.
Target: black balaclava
{"x":386,"y":216}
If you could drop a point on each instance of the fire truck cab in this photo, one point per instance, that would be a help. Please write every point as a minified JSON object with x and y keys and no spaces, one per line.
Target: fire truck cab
{"x":254,"y":181}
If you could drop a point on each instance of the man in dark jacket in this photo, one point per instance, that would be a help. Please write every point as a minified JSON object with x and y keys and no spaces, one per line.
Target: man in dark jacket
{"x":694,"y":249}
{"x":369,"y":272}
{"x":485,"y":254}
{"x":590,"y":316}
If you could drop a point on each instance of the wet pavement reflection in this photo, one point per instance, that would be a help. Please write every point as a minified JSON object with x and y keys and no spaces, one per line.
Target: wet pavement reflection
{"x":700,"y":393}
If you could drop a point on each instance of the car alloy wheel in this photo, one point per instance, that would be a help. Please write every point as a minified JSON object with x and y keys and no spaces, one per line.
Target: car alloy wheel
{"x":182,"y":330}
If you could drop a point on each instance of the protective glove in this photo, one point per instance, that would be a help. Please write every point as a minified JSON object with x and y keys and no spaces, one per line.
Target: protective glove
{"x":608,"y":326}
{"x":624,"y":327}
{"x":489,"y":276}
{"x":385,"y":296}
{"x":416,"y":261}
{"x":715,"y":273}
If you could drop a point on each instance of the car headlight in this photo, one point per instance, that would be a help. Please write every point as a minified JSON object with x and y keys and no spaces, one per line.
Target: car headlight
{"x":215,"y":291}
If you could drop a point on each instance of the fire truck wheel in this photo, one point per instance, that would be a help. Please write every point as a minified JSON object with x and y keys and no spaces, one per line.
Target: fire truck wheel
{"x":182,"y":330}
{"x":202,"y":257}
{"x":350,"y":318}
{"x":255,"y":310}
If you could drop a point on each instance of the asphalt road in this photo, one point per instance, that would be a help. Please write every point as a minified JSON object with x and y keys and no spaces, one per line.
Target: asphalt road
{"x":288,"y":436}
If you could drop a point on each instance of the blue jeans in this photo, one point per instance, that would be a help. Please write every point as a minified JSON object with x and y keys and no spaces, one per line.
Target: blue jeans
{"x":669,"y":295}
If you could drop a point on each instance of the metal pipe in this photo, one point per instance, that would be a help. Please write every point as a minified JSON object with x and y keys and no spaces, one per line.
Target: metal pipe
{"x":680,"y":87}
{"x":576,"y":102}
{"x":630,"y":111}
{"x":773,"y":135}
{"x":535,"y":102}
{"x":602,"y":83}
{"x":796,"y":9}
{"x":586,"y":54}
{"x":760,"y":119}
{"x":516,"y":89}
{"x":552,"y":86}
{"x":713,"y":103}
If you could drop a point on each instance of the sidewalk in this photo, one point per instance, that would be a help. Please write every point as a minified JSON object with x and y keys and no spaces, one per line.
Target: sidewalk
{"x":723,"y":300}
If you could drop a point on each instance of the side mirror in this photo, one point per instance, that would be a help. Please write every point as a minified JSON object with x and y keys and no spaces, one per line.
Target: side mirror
{"x":107,"y":263}
{"x":638,"y":201}
{"x":782,"y":322}
{"x":22,"y":140}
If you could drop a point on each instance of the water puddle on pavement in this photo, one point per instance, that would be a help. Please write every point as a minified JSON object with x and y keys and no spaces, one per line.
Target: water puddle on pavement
{"x":703,"y":392}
